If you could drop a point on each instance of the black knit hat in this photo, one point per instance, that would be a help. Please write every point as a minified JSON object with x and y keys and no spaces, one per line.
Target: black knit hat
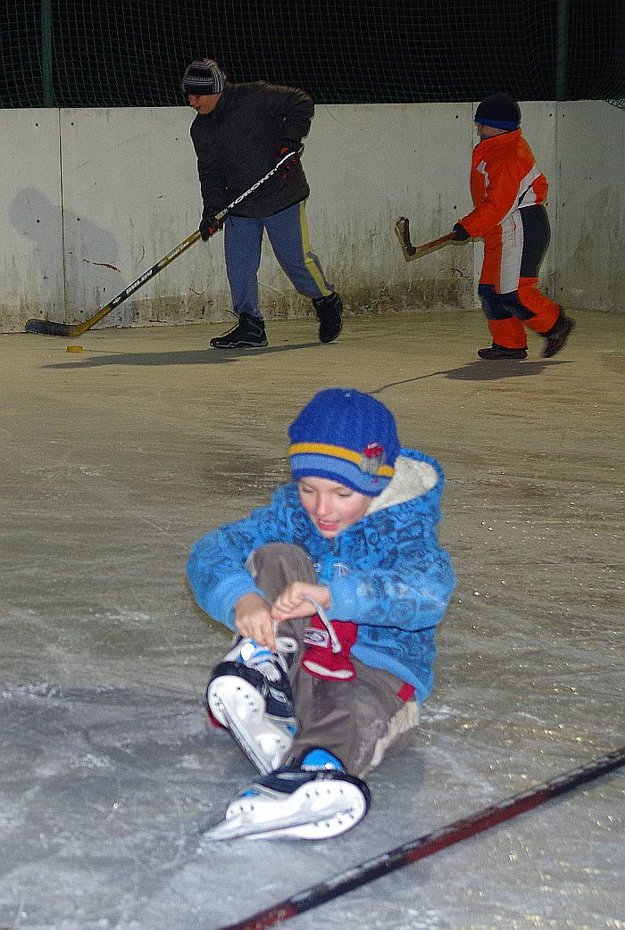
{"x":499,"y":111}
{"x":203,"y":76}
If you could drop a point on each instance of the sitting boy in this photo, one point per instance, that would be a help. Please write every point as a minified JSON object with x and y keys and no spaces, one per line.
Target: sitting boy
{"x":335,"y":590}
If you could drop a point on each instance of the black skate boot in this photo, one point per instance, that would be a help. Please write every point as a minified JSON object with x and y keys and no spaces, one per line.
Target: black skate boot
{"x":249,"y":694}
{"x":497,"y":353}
{"x":558,"y":334}
{"x":247,"y":333}
{"x":329,"y":310}
{"x":313,"y":799}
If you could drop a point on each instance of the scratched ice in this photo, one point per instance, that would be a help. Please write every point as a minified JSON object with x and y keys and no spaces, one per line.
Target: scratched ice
{"x":114,"y":464}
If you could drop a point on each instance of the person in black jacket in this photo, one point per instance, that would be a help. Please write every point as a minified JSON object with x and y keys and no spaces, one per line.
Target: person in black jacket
{"x":240,"y":133}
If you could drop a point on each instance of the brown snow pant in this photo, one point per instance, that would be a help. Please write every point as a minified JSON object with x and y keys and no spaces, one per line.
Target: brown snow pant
{"x":360,"y":720}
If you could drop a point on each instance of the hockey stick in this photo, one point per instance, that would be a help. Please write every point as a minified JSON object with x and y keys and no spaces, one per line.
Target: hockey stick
{"x":50,"y":328}
{"x":430,"y":843}
{"x":411,"y":252}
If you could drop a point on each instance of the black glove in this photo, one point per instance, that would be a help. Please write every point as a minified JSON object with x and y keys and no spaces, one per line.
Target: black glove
{"x":460,"y":233}
{"x":209,"y":224}
{"x":286,"y":146}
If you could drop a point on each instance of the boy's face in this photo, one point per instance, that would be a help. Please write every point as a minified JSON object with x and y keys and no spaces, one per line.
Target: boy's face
{"x":203,"y":103}
{"x":331,"y":506}
{"x":487,"y":132}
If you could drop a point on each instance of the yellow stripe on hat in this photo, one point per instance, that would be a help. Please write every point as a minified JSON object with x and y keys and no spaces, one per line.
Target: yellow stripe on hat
{"x":337,"y":452}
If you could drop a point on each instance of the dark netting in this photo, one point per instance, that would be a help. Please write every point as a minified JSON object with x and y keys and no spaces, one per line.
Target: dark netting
{"x":117,"y":53}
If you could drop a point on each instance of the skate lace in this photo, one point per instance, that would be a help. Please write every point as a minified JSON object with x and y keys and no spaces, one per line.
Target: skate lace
{"x":270,"y":664}
{"x":273,"y":664}
{"x":335,"y":641}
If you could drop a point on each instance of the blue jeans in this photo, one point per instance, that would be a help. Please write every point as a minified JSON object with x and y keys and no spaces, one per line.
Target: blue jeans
{"x":288,"y":235}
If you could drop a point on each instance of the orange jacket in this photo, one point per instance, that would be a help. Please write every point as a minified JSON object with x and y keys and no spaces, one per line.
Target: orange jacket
{"x":504,"y":178}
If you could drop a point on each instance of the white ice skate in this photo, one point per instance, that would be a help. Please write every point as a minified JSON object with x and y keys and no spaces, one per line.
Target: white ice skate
{"x":314,"y":800}
{"x":249,"y":693}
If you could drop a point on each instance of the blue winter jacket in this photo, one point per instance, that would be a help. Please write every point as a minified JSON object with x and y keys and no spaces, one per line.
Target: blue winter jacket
{"x":387,"y":572}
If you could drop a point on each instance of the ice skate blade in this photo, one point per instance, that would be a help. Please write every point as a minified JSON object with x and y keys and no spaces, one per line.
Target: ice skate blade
{"x":316,"y":811}
{"x":241,"y":708}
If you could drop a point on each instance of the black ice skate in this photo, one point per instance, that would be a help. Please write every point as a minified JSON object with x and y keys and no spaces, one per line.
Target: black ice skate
{"x":313,"y":800}
{"x":329,"y":312}
{"x":247,"y":333}
{"x":249,"y":693}
{"x":558,"y":334}
{"x":500,"y":353}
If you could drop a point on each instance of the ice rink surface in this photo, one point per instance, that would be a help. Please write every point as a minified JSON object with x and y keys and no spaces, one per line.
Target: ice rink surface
{"x":115,"y":459}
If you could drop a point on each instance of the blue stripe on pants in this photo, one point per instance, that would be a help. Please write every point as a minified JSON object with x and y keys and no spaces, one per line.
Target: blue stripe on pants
{"x":288,"y":234}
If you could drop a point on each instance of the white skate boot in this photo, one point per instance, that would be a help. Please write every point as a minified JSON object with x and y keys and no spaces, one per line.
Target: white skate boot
{"x":314,"y":799}
{"x":249,"y":693}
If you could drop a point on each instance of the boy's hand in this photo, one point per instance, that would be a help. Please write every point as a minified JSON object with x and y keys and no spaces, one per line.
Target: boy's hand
{"x":460,"y":233}
{"x":293,"y":603}
{"x":253,"y":620}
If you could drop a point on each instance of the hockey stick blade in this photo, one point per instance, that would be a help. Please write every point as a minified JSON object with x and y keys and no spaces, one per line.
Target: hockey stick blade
{"x":51,"y":328}
{"x":429,"y":844}
{"x":402,"y":231}
{"x":412,"y":252}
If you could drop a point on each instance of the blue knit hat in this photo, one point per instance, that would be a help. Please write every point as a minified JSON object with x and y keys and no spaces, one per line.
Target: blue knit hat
{"x":203,"y":76}
{"x":499,"y":111}
{"x":345,"y":436}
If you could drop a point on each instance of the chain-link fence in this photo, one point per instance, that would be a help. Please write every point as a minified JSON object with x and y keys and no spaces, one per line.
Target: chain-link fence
{"x":89,"y":53}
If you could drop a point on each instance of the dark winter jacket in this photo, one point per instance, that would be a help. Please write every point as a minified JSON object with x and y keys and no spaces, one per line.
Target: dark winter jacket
{"x":240,"y":141}
{"x":387,"y":572}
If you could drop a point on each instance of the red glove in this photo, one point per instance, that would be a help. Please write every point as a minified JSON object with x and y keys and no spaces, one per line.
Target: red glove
{"x":319,"y":659}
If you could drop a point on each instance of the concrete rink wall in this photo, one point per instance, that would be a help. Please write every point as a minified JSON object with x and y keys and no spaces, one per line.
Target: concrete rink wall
{"x":115,"y":459}
{"x":93,"y":198}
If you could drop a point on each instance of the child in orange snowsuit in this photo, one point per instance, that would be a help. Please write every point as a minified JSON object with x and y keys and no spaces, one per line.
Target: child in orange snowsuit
{"x":509,"y":192}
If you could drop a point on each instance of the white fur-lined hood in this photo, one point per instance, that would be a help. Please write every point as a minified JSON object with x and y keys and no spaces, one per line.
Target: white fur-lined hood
{"x":415,"y":475}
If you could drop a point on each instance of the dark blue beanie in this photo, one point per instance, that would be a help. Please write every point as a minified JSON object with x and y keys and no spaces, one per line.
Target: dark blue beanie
{"x":499,"y":111}
{"x":345,"y":436}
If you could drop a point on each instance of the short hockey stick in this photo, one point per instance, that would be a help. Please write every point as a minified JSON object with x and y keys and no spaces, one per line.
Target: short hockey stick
{"x":50,"y":328}
{"x":430,"y":843}
{"x":411,"y":252}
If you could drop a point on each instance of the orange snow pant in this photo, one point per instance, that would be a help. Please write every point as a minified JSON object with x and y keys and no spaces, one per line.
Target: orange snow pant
{"x":508,"y":288}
